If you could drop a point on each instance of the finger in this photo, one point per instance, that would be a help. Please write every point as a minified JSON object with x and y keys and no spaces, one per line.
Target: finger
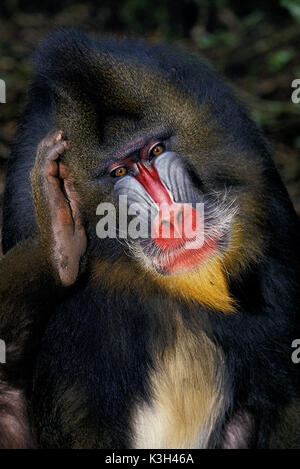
{"x":74,"y":201}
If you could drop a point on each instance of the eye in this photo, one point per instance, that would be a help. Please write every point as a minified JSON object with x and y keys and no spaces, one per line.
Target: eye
{"x":118,"y":172}
{"x":156,"y":150}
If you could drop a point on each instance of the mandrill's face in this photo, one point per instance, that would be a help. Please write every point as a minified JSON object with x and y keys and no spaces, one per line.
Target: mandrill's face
{"x":172,"y":227}
{"x":185,"y":175}
{"x":179,"y":209}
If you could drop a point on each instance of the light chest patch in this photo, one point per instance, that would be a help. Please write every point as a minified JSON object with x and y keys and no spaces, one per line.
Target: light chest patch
{"x":189,"y":396}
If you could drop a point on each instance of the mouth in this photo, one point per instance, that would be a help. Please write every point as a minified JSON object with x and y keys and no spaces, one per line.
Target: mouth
{"x":179,"y":251}
{"x":210,"y":238}
{"x":185,"y":258}
{"x":175,"y":257}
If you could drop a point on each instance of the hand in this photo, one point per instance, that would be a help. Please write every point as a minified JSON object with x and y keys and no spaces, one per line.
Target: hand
{"x":57,"y":208}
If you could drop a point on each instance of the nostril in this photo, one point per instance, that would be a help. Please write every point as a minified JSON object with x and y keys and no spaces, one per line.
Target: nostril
{"x":166,"y":223}
{"x":179,"y":216}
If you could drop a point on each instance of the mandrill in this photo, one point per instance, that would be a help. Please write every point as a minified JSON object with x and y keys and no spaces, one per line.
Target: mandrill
{"x":175,"y":334}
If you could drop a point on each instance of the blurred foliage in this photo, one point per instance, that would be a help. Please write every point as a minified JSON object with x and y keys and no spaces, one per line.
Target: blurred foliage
{"x":255,"y":45}
{"x":293,"y":6}
{"x":279,"y":58}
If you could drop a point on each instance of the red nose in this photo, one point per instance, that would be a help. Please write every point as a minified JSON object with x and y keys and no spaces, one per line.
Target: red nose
{"x":174,"y":225}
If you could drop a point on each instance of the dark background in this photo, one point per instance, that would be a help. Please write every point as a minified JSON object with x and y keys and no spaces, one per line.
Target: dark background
{"x":255,"y":45}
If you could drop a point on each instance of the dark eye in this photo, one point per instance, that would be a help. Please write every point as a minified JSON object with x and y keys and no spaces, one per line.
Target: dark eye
{"x":156,"y":150}
{"x":118,"y":172}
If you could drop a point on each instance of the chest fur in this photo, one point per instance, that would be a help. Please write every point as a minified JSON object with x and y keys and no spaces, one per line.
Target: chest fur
{"x":188,"y":395}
